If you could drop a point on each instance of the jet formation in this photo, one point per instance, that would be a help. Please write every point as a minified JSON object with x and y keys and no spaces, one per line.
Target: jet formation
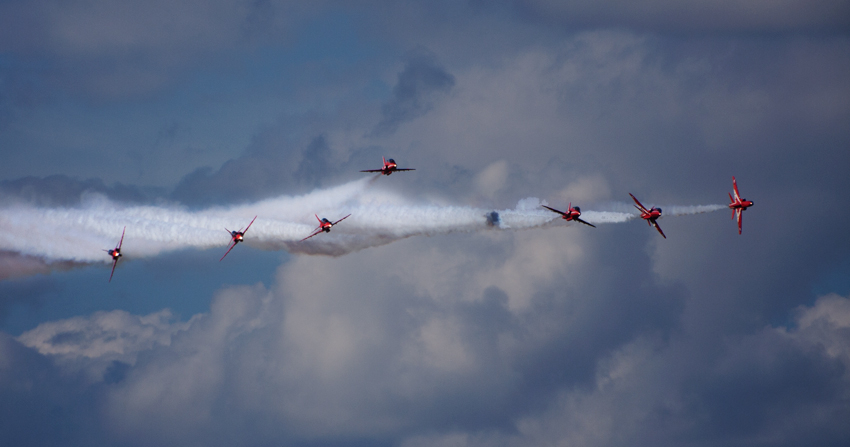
{"x":573,"y":213}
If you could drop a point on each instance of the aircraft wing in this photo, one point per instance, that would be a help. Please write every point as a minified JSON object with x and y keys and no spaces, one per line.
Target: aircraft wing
{"x":228,"y":250}
{"x":122,"y":238}
{"x":373,"y":170}
{"x":586,"y":223}
{"x":114,"y":263}
{"x":735,"y":187}
{"x":639,"y":205}
{"x":315,"y":232}
{"x":655,"y":224}
{"x":553,"y":209}
{"x":249,"y":225}
{"x":340,"y":220}
{"x":740,"y":214}
{"x":406,"y":169}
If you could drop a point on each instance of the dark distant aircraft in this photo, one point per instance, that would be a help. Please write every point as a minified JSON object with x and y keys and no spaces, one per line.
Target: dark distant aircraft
{"x":650,"y":215}
{"x":237,"y":237}
{"x":572,"y":213}
{"x":115,"y":253}
{"x":738,"y":204}
{"x":389,"y":167}
{"x":324,"y":225}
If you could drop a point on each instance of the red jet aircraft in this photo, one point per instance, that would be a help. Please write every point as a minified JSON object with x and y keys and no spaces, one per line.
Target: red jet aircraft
{"x":571,"y":214}
{"x":738,"y":204}
{"x":389,"y":167}
{"x":115,"y":253}
{"x":324,"y":225}
{"x":237,"y":237}
{"x":649,"y":214}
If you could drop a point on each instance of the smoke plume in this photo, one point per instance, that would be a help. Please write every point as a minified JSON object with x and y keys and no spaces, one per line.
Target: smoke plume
{"x":80,"y":234}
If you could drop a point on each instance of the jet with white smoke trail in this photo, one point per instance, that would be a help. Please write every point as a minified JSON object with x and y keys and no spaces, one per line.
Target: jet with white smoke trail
{"x":650,"y":215}
{"x":377,"y":218}
{"x":237,"y":237}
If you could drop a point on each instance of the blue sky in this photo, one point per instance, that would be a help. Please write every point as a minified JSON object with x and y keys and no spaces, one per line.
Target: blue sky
{"x":424,"y":328}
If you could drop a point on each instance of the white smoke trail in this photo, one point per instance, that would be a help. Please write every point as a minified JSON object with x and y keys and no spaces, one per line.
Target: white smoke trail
{"x":687,"y":210}
{"x":80,"y":234}
{"x":377,"y":218}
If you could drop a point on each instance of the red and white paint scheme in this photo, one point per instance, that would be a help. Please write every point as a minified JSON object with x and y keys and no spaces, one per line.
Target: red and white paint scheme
{"x":650,"y":215}
{"x":324,"y":226}
{"x":237,"y":237}
{"x":738,"y":204}
{"x":115,"y":253}
{"x":390,"y":166}
{"x":572,"y":213}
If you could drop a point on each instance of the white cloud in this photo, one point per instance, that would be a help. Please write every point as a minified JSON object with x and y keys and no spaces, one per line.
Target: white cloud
{"x":643,"y":393}
{"x":93,"y":344}
{"x":490,"y":181}
{"x":825,"y":325}
{"x":359,"y":347}
{"x":587,"y":188}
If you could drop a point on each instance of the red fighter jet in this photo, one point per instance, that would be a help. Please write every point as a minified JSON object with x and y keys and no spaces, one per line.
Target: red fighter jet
{"x":649,"y":214}
{"x":571,"y":214}
{"x":116,"y":253}
{"x":738,"y":204}
{"x":324,"y":225}
{"x":237,"y":237}
{"x":389,"y":167}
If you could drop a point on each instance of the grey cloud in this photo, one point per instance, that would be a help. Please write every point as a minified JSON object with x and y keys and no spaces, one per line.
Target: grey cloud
{"x":695,"y":16}
{"x":373,"y":365}
{"x":776,"y":386}
{"x":40,"y":404}
{"x":618,"y":104}
{"x":315,"y":165}
{"x":111,"y":52}
{"x":765,"y":385}
{"x":419,"y":85}
{"x":267,"y":169}
{"x":61,"y":190}
{"x":325,"y":362}
{"x":26,"y":293}
{"x":107,"y":337}
{"x":15,"y":265}
{"x":780,"y":382}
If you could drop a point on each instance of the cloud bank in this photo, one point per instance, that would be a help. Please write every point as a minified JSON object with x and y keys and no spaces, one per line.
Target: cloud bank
{"x":450,"y":363}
